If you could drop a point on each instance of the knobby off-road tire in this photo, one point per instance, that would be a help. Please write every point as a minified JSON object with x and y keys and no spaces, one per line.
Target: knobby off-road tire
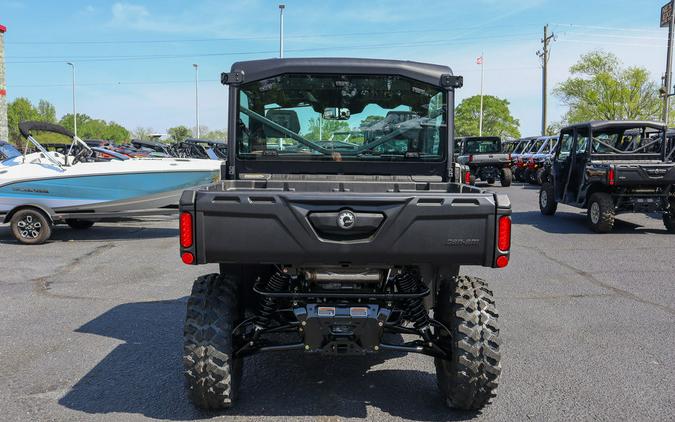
{"x":211,"y":372}
{"x":469,"y":377}
{"x":31,"y":226}
{"x":506,"y":177}
{"x":79,"y":224}
{"x":601,"y":212}
{"x":547,"y":203}
{"x":669,"y":217}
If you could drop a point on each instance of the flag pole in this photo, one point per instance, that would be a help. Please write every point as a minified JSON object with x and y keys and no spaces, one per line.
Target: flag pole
{"x":480,"y":122}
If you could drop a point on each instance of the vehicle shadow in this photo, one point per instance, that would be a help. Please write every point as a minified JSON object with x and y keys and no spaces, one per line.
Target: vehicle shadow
{"x":143,"y":376}
{"x":572,"y":223}
{"x":117,"y":232}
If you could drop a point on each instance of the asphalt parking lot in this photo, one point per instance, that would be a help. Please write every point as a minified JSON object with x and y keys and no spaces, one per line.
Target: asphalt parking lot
{"x":91,"y":327}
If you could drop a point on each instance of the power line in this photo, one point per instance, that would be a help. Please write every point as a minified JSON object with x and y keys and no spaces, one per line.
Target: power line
{"x":58,"y":59}
{"x":260,"y":38}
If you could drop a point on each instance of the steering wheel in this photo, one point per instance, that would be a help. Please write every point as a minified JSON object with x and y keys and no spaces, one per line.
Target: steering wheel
{"x":80,"y":155}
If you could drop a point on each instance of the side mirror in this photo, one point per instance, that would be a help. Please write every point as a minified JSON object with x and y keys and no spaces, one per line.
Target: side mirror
{"x":336,"y":113}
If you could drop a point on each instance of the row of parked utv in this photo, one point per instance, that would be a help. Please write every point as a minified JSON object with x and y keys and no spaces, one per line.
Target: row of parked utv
{"x":606,"y":167}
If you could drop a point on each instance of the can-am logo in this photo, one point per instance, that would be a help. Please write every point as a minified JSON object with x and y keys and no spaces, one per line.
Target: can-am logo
{"x":346,"y":220}
{"x":462,"y":242}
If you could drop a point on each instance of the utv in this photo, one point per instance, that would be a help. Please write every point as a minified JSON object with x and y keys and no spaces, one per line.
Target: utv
{"x":342,"y":246}
{"x":485,"y":159}
{"x":535,"y":161}
{"x":517,"y":166}
{"x":610,"y":167}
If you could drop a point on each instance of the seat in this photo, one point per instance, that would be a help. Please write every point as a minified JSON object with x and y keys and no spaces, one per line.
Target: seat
{"x":286,"y":118}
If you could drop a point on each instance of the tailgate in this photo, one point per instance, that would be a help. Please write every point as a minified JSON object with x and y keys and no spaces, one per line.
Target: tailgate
{"x":645,"y":174}
{"x":302,"y":228}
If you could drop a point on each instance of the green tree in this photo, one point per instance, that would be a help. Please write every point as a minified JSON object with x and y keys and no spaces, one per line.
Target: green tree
{"x":89,"y":128}
{"x":601,"y":89}
{"x":328,"y":128}
{"x":179,"y":133}
{"x":369,"y":120}
{"x":497,"y":118}
{"x":142,"y":133}
{"x":216,"y":135}
{"x":17,"y":111}
{"x":46,"y":111}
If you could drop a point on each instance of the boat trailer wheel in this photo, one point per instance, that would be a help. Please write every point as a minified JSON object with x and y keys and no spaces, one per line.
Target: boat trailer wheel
{"x":29,"y":227}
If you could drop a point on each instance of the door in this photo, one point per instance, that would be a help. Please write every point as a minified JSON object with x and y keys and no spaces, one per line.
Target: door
{"x":561,"y":163}
{"x":578,"y":164}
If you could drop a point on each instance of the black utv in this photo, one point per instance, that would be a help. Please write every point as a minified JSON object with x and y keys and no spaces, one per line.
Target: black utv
{"x":609,"y":167}
{"x":344,"y":248}
{"x":485,"y":159}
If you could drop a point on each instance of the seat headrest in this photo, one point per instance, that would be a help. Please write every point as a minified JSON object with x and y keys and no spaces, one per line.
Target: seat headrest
{"x":286,"y":118}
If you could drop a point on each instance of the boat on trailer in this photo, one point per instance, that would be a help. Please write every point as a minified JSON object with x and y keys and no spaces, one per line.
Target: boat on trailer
{"x":43,"y":188}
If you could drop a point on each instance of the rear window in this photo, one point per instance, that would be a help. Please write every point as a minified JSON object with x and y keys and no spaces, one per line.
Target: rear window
{"x":626,"y":142}
{"x":482,"y":146}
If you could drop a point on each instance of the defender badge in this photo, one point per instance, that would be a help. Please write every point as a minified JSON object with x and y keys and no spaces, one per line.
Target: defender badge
{"x":346,"y":220}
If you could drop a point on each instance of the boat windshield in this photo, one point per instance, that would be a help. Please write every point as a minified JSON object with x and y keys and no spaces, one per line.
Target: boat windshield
{"x":341,"y":117}
{"x":8,"y":152}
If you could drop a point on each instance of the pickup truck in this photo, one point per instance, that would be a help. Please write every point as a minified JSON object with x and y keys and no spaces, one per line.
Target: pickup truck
{"x":336,"y":244}
{"x":610,"y":167}
{"x":485,"y":159}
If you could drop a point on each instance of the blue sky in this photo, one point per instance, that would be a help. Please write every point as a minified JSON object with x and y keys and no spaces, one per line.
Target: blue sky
{"x":134,"y":58}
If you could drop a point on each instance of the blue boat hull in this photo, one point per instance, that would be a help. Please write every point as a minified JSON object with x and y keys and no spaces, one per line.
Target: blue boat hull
{"x":122,"y":191}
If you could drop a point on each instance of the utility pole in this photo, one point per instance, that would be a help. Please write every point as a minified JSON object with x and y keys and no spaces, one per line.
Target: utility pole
{"x":196,"y":66}
{"x":668,"y":19}
{"x":544,"y":54}
{"x":74,"y":109}
{"x":4,"y":130}
{"x":481,"y":61}
{"x":281,"y":30}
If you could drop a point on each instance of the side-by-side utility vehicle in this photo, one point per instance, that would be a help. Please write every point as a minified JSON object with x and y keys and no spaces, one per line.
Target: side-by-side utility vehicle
{"x":344,"y":247}
{"x":609,"y":167}
{"x":485,"y":159}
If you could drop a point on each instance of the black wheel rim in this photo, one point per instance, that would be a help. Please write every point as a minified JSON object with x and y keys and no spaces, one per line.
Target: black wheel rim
{"x":29,"y":227}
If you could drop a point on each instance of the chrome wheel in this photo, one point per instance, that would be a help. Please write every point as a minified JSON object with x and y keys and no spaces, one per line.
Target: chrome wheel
{"x":543,"y":199}
{"x":595,"y":212}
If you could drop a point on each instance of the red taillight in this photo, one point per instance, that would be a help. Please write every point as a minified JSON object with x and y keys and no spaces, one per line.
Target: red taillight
{"x":467,"y":178}
{"x":188,"y":258}
{"x":185,"y":226}
{"x":504,"y":234}
{"x":502,"y":261}
{"x":610,"y":176}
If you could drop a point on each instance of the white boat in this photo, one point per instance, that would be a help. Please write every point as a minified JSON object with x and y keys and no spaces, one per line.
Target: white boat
{"x":54,"y":187}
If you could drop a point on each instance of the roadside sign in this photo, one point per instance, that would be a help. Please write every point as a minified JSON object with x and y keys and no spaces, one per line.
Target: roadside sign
{"x":666,"y":14}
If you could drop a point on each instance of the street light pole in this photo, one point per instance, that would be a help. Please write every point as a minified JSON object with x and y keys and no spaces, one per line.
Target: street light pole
{"x":669,"y":65}
{"x":281,"y":30}
{"x":480,"y":121}
{"x":74,"y":109}
{"x":196,"y":66}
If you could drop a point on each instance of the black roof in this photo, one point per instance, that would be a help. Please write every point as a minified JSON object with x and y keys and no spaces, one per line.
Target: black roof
{"x":255,"y":70}
{"x":617,"y":124}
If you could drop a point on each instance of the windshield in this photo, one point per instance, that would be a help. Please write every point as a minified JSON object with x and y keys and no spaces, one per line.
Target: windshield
{"x":626,"y":142}
{"x":8,"y":151}
{"x":482,"y":146}
{"x":341,"y":117}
